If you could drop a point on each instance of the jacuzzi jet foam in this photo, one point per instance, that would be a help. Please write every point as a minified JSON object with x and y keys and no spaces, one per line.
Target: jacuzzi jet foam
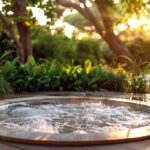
{"x":77,"y":118}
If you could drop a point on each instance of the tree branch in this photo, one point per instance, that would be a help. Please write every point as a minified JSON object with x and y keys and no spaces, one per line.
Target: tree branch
{"x":105,"y":17}
{"x":105,"y":32}
{"x":70,"y":4}
{"x":84,"y":11}
{"x":13,"y":35}
{"x":93,"y":19}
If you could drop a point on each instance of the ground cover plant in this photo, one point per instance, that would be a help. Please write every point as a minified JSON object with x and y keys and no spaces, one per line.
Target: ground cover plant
{"x":46,"y":75}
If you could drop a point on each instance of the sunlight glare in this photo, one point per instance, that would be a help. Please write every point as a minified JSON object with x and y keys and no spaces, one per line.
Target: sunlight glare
{"x":135,"y":22}
{"x":88,"y":3}
{"x":58,"y":24}
{"x":122,"y":27}
{"x":39,"y":15}
{"x":69,"y":29}
{"x":148,"y":6}
{"x":1,"y":5}
{"x":116,"y":1}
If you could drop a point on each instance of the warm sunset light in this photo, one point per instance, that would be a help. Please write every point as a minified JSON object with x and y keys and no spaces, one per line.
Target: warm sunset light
{"x":75,"y":73}
{"x":135,"y":23}
{"x":1,"y":5}
{"x":39,"y":15}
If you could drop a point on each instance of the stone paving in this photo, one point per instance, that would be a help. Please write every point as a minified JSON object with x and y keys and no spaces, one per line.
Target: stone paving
{"x":142,"y":145}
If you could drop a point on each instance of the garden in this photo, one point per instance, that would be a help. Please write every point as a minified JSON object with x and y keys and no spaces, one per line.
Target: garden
{"x":74,"y":69}
{"x":41,"y":55}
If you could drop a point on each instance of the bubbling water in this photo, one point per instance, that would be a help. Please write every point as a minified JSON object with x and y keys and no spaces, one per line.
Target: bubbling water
{"x":78,"y":118}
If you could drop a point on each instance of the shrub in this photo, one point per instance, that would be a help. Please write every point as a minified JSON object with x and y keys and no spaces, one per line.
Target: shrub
{"x":136,"y":80}
{"x":6,"y":44}
{"x":139,"y":48}
{"x":65,"y":50}
{"x":5,"y":87}
{"x":92,"y":49}
{"x":33,"y":76}
{"x":56,"y":46}
{"x":137,"y":84}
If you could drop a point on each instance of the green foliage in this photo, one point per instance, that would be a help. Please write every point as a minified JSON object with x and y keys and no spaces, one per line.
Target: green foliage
{"x":63,"y":49}
{"x":92,"y":49}
{"x":139,"y":48}
{"x":136,"y":6}
{"x":56,"y":46}
{"x":5,"y":87}
{"x":46,"y":6}
{"x":6,"y":44}
{"x":136,"y":82}
{"x":88,"y":49}
{"x":34,"y":76}
{"x":77,"y":20}
{"x":4,"y":57}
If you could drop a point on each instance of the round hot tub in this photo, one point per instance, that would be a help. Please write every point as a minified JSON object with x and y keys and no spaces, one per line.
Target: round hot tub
{"x":73,"y":120}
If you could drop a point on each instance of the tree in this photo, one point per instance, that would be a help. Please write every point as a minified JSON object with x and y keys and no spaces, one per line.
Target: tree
{"x":19,"y":46}
{"x":20,"y":14}
{"x":15,"y":15}
{"x":105,"y":28}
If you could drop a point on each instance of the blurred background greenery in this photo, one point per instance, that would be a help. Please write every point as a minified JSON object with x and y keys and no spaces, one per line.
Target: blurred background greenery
{"x":69,"y":52}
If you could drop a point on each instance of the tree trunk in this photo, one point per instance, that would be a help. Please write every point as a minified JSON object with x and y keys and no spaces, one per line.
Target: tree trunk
{"x":25,"y":38}
{"x":20,"y":13}
{"x":108,"y":35}
{"x":118,"y":47}
{"x":20,"y":50}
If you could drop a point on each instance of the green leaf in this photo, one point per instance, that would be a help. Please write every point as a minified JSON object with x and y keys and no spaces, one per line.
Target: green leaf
{"x":31,"y":61}
{"x":5,"y":55}
{"x":87,"y":66}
